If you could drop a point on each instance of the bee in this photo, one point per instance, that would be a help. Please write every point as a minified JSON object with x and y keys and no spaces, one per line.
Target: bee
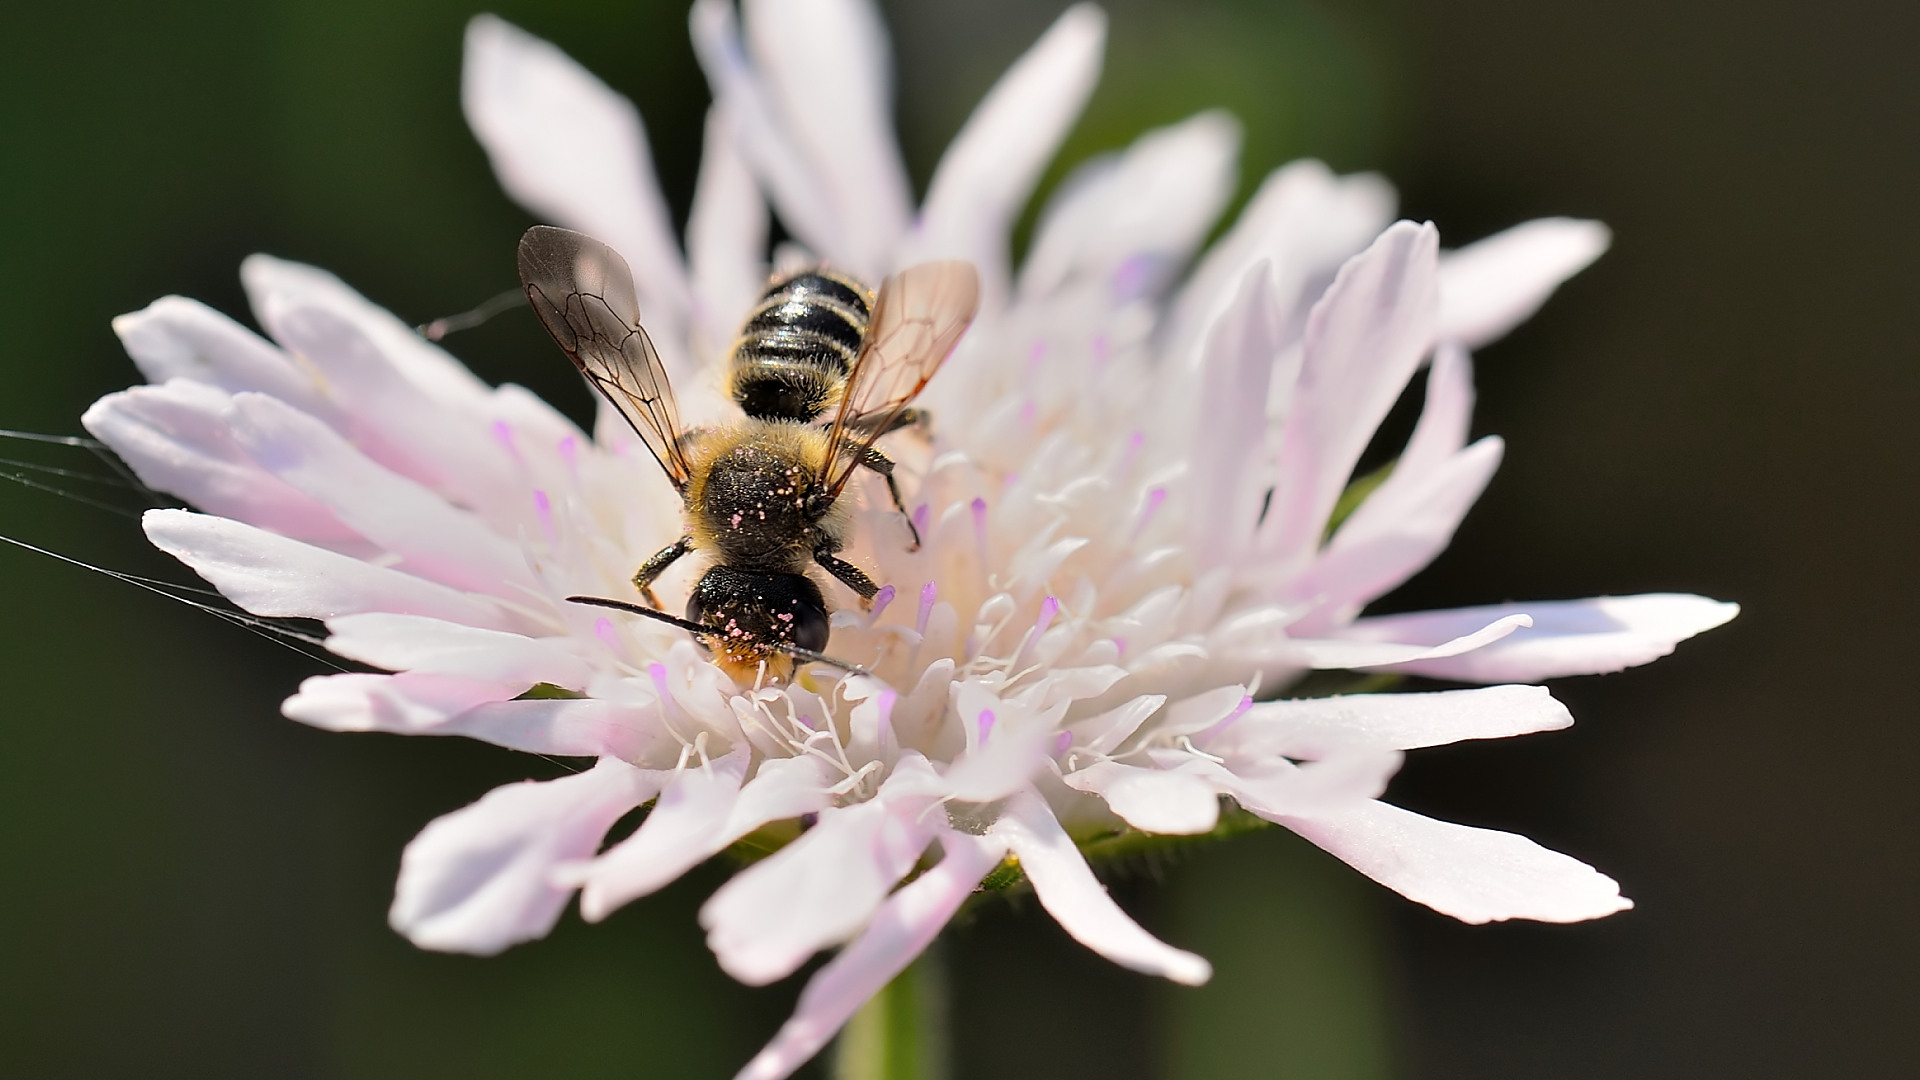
{"x":762,"y":493}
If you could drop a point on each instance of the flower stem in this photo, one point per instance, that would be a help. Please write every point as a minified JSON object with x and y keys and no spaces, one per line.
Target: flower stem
{"x":901,"y":1032}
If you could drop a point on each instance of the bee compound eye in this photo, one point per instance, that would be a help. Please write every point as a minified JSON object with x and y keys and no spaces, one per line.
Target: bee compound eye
{"x":811,"y":628}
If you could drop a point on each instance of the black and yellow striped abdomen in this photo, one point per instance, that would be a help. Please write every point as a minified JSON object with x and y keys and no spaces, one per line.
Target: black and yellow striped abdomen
{"x":794,"y":354}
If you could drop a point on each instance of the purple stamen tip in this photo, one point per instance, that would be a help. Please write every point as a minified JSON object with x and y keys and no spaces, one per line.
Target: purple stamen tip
{"x":922,"y":515}
{"x":1061,"y":742}
{"x":570,"y":450}
{"x":986,"y":725}
{"x":544,"y":507}
{"x":1029,"y":410}
{"x":1048,"y":609}
{"x":928,"y":593}
{"x":603,"y":629}
{"x":880,"y":601}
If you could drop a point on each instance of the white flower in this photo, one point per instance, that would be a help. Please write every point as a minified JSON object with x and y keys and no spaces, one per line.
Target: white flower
{"x":1125,"y":504}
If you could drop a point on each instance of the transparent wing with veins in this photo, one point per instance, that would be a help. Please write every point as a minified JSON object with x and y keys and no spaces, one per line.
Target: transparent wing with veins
{"x":917,"y":320}
{"x":583,"y":293}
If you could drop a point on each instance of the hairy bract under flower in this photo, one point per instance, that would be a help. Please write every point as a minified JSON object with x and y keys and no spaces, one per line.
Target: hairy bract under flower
{"x":1138,"y":502}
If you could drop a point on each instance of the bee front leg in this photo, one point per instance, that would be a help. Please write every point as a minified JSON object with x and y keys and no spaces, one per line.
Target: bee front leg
{"x":852,"y":576}
{"x":882,"y":464}
{"x":654,"y":567}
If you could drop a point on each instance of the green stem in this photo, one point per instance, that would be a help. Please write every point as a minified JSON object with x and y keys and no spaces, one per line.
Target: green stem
{"x":901,"y":1032}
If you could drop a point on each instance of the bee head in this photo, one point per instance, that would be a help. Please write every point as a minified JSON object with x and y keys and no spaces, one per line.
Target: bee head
{"x":750,"y":614}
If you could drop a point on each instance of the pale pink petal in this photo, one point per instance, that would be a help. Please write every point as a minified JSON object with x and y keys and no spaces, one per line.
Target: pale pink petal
{"x":1103,"y":733}
{"x":1132,"y":220}
{"x":1004,"y":763}
{"x":1364,"y":340}
{"x":178,"y":438}
{"x":570,"y":149}
{"x":1229,"y":466}
{"x":798,"y":193}
{"x":433,"y":538}
{"x":275,"y":287}
{"x":1304,"y":221}
{"x":450,"y":446}
{"x":810,"y":52}
{"x":1364,"y":651}
{"x":1474,"y":875}
{"x":901,"y":930}
{"x":476,"y":880}
{"x":1346,"y":774}
{"x":726,"y":238}
{"x":679,"y":832}
{"x":1151,"y":800}
{"x":1372,"y":555}
{"x":819,"y":889}
{"x":990,"y":168}
{"x":1068,"y":890}
{"x":1489,"y":287}
{"x":1310,"y":727}
{"x":437,"y":647}
{"x":416,"y":704}
{"x":274,"y":576}
{"x":1568,"y":637}
{"x":701,"y":812}
{"x":178,"y":338}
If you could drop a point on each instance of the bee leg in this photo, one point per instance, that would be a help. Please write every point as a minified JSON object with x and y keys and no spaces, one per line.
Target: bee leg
{"x":882,"y":464}
{"x":852,"y":576}
{"x":657,"y":565}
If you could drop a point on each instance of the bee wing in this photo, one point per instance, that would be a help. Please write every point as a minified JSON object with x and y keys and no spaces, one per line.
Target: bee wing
{"x":583,"y":292}
{"x":917,"y":320}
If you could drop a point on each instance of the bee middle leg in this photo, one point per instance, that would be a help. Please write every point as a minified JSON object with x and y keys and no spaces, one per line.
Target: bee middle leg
{"x":657,"y":565}
{"x":882,"y":464}
{"x":850,"y":575}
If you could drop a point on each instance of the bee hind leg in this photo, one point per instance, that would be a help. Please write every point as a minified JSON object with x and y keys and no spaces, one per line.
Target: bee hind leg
{"x":882,"y":464}
{"x":850,"y":575}
{"x":657,"y":565}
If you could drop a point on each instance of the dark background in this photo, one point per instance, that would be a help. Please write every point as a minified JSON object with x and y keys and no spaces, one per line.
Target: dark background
{"x":192,"y":886}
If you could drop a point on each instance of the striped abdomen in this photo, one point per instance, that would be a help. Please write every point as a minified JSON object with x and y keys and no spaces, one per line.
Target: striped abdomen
{"x":793,"y":356}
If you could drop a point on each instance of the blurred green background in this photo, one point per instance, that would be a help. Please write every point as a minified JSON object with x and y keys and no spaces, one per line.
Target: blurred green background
{"x":194,"y":886}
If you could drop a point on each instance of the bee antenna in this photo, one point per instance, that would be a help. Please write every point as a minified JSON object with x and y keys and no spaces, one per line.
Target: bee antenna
{"x":640,"y":609}
{"x":692,"y":627}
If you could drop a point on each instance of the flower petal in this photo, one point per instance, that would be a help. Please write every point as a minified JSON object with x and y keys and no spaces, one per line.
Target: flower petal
{"x":901,"y":930}
{"x":179,"y":438}
{"x":815,"y":52}
{"x":570,"y":149}
{"x":1364,"y":340}
{"x":805,"y":206}
{"x":417,"y":704}
{"x":438,"y":647}
{"x":1474,"y":875}
{"x":726,"y":238}
{"x":276,"y":287}
{"x":274,"y":576}
{"x":1568,"y":637}
{"x":1151,"y":800}
{"x":1370,"y":556}
{"x":178,"y":338}
{"x":990,"y":168}
{"x":1310,"y":727}
{"x":1132,"y":220}
{"x":700,"y":812}
{"x":819,"y":889}
{"x":476,"y":880}
{"x":1304,"y":221}
{"x":433,"y":538}
{"x":1355,"y":652}
{"x":1230,"y":465}
{"x":1489,"y":287}
{"x":1068,"y":890}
